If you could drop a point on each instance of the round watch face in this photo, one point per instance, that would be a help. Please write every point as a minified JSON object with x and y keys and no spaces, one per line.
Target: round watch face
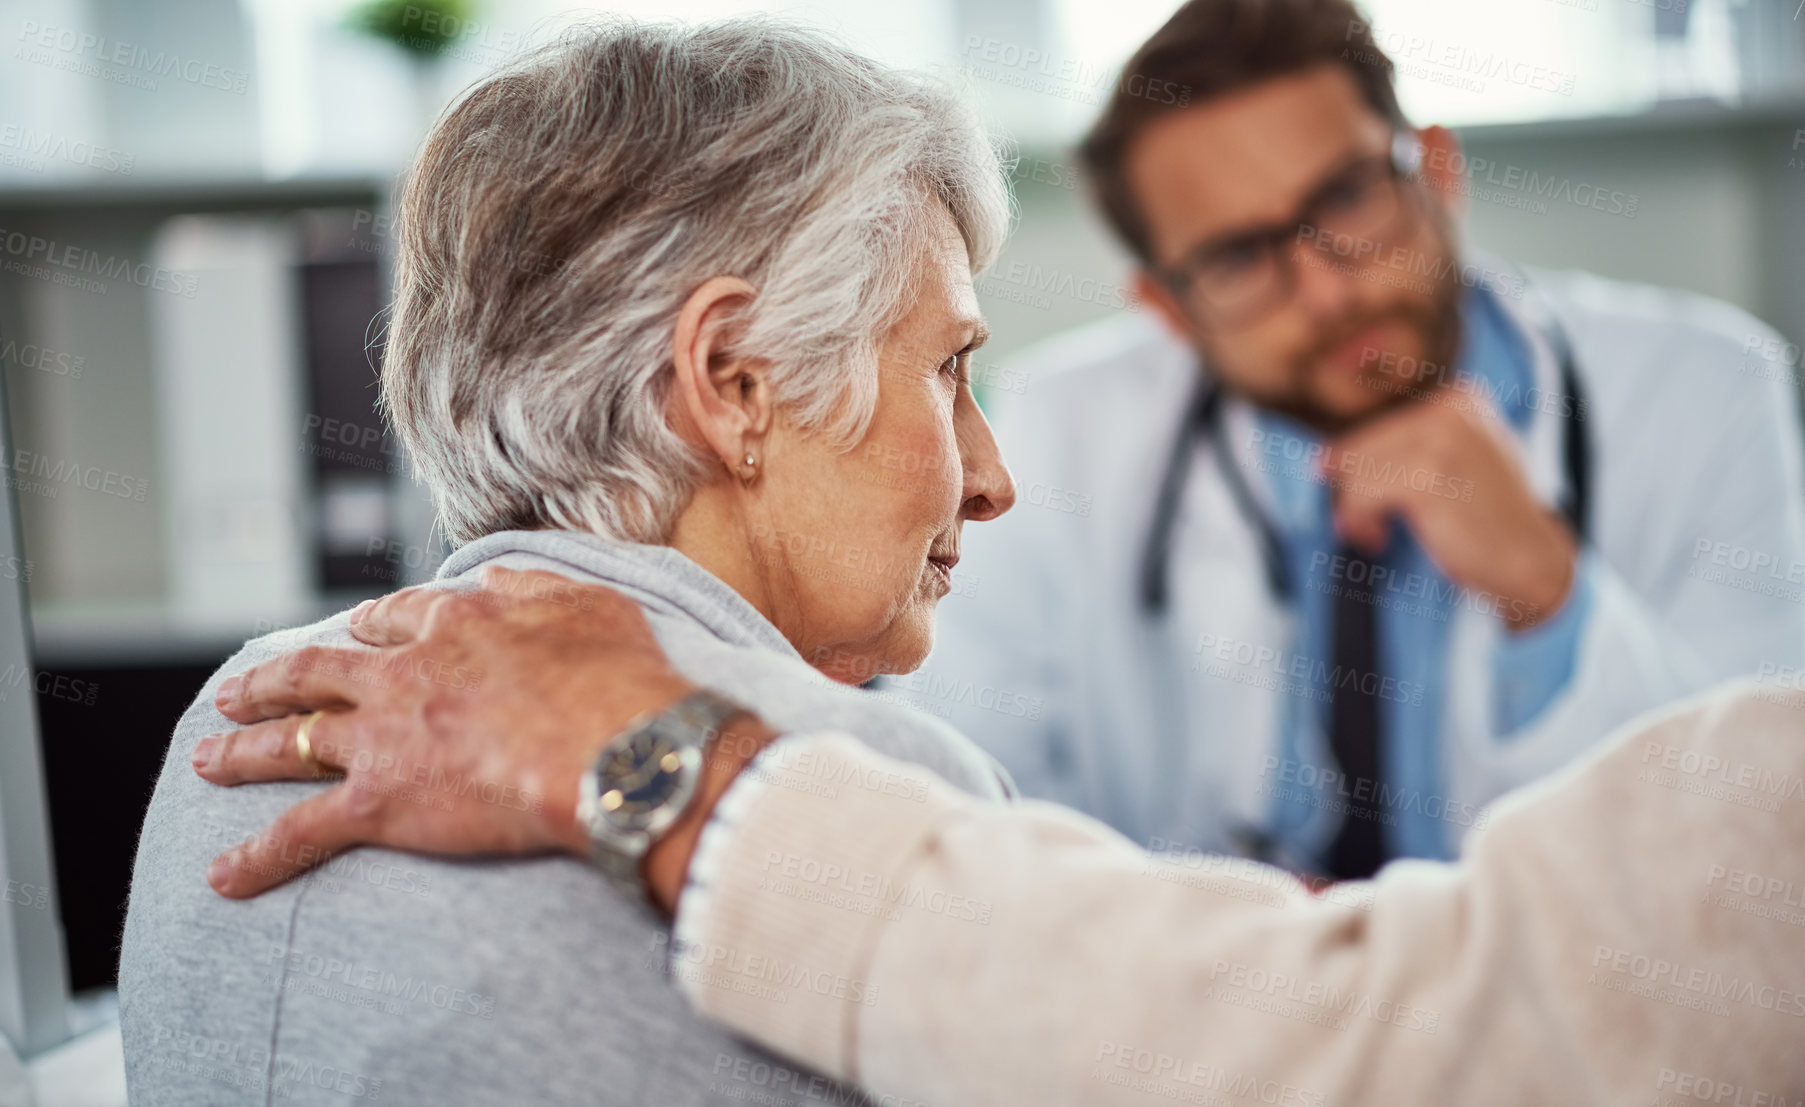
{"x":637,"y":779}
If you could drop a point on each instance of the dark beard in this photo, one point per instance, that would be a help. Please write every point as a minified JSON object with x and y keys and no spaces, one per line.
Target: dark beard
{"x":1440,"y":327}
{"x":1438,"y":322}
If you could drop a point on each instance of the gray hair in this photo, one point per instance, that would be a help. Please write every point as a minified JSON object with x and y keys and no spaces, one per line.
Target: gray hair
{"x":561,"y":212}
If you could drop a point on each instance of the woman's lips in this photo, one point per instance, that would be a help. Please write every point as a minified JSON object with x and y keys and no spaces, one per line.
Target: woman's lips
{"x":942,"y":565}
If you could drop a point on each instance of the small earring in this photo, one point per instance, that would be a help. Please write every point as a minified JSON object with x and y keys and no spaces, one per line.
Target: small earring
{"x":751,"y":461}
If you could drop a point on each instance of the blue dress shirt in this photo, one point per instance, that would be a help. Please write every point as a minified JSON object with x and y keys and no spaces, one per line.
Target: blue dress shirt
{"x":1415,"y":606}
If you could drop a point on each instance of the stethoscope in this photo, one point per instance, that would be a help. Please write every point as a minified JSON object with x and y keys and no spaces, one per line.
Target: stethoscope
{"x":1202,"y":423}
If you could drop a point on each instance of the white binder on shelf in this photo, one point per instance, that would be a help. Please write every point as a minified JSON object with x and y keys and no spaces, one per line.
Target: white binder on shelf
{"x":237,"y":534}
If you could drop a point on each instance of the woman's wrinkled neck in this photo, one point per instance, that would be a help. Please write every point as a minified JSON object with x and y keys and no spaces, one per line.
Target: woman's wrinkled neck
{"x":717,"y":531}
{"x":713,"y":531}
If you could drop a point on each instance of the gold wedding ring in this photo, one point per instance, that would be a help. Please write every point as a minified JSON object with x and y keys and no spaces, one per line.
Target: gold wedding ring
{"x":304,"y":745}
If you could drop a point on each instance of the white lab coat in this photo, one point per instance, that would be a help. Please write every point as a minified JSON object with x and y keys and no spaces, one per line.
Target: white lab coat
{"x":1044,"y":656}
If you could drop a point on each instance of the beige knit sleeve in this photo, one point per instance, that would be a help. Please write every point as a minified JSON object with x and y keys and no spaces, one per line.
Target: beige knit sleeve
{"x":1627,"y":932}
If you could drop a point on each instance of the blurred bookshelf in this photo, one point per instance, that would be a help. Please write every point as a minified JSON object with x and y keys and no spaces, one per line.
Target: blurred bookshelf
{"x":203,"y":351}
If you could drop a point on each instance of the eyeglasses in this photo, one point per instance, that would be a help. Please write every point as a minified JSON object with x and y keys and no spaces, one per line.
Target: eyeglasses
{"x":1236,"y":280}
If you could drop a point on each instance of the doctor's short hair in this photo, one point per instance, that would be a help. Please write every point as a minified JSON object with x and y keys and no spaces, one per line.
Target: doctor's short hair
{"x":561,"y":212}
{"x":1211,"y":48}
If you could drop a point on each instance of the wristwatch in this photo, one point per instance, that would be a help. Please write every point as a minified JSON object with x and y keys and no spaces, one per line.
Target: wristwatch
{"x":643,"y":781}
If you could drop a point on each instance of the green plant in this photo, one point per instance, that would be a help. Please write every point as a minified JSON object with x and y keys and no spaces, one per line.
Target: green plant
{"x":424,"y":28}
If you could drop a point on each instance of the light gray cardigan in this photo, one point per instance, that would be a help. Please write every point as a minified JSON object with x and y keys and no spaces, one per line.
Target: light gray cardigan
{"x":387,"y":976}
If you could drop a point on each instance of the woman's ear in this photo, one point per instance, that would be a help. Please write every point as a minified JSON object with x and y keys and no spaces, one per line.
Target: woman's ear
{"x":721,"y":401}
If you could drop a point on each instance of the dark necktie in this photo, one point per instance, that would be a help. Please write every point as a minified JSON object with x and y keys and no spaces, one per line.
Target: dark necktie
{"x":1359,"y":847}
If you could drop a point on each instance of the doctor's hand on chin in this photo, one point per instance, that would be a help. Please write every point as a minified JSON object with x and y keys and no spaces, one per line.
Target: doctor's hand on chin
{"x":561,"y":668}
{"x":1450,"y":469}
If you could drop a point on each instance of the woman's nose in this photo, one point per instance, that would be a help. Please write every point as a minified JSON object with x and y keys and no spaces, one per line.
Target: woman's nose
{"x":989,"y":489}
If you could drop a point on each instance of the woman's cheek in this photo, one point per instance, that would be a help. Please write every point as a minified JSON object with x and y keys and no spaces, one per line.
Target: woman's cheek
{"x":923,"y":469}
{"x":950,"y":472}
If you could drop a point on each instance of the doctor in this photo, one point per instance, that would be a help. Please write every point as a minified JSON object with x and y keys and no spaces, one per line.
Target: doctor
{"x":1352,"y":532}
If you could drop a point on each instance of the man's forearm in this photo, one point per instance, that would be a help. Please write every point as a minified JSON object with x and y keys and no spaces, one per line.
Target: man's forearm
{"x":667,"y":862}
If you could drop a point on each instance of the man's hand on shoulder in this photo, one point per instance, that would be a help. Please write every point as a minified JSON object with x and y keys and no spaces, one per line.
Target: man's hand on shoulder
{"x":466,"y":731}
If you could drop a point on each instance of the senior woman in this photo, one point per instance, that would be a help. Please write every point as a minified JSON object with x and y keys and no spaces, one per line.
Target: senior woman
{"x":683,"y":311}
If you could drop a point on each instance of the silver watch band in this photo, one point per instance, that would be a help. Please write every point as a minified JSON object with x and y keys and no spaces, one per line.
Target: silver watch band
{"x":621,"y":870}
{"x":689,"y":723}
